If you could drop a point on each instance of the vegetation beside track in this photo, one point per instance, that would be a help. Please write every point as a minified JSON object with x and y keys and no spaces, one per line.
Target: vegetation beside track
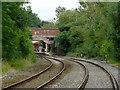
{"x":92,"y":32}
{"x":17,"y":47}
{"x":19,"y":64}
{"x":114,"y":62}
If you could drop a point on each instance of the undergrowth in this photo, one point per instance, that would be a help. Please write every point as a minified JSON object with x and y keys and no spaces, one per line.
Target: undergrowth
{"x":18,"y":64}
{"x":116,"y":62}
{"x":77,"y":55}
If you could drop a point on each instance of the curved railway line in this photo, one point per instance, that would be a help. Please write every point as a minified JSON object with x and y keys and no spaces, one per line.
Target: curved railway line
{"x":28,"y":80}
{"x":85,"y":79}
{"x":86,"y":75}
{"x":113,"y":80}
{"x":76,"y":60}
{"x":53,"y":77}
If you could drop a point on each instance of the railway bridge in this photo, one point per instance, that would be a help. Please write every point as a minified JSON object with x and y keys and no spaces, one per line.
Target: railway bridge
{"x":46,"y":35}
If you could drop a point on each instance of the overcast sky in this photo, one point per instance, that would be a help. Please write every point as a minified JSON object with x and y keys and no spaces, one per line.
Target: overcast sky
{"x":46,"y":8}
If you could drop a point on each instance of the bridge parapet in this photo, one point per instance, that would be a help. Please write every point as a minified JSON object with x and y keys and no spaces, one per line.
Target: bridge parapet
{"x":39,"y":32}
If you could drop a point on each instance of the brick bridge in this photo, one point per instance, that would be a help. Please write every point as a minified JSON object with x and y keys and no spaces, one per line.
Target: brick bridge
{"x":46,"y":35}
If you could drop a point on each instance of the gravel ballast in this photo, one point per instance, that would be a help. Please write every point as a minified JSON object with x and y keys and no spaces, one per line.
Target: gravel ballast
{"x":12,"y":77}
{"x":113,"y":70}
{"x":97,"y":77}
{"x":42,"y":78}
{"x":70,"y":78}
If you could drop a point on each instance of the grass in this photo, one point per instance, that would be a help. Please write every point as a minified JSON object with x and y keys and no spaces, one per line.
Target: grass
{"x":51,"y":53}
{"x":13,"y":65}
{"x":5,"y":66}
{"x":116,"y":62}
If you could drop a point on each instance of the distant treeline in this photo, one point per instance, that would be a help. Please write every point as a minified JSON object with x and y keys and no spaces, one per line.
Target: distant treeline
{"x":92,"y":30}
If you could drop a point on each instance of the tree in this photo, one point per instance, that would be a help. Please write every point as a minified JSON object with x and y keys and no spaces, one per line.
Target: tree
{"x":67,"y":18}
{"x":34,"y":20}
{"x":64,"y":28}
{"x":59,"y":10}
{"x":16,"y":36}
{"x":47,"y":24}
{"x":96,"y":32}
{"x":63,"y":41}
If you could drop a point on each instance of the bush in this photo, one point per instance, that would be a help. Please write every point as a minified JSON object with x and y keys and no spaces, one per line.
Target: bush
{"x":63,"y":41}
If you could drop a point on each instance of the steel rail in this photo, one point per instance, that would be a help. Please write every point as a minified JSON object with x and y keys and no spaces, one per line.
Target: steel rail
{"x":113,"y":80}
{"x":31,"y":77}
{"x":63,"y":68}
{"x":85,"y":78}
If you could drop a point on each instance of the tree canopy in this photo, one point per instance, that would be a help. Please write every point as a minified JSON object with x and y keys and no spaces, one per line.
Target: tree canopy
{"x":93,"y":30}
{"x":16,"y":35}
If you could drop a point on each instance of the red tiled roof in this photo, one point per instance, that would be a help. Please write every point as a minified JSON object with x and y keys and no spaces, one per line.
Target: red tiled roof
{"x":45,"y":32}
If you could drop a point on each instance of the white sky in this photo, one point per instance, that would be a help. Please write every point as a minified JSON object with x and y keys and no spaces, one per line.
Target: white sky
{"x":46,"y":8}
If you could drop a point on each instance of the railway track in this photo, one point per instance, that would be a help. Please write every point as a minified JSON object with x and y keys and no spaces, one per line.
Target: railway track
{"x":76,"y":60}
{"x":22,"y":83}
{"x":85,"y":80}
{"x":111,"y":77}
{"x":85,"y":77}
{"x":54,"y":76}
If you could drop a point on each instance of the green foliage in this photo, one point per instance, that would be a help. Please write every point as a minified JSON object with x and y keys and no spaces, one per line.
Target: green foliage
{"x":93,"y":31}
{"x":16,"y":36}
{"x":59,"y":10}
{"x":53,"y":47}
{"x":46,"y":24}
{"x":64,"y":28}
{"x":63,"y":41}
{"x":17,"y":64}
{"x":43,"y":44}
{"x":67,"y":18}
{"x":83,"y":4}
{"x":75,"y":35}
{"x":51,"y":53}
{"x":33,"y":18}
